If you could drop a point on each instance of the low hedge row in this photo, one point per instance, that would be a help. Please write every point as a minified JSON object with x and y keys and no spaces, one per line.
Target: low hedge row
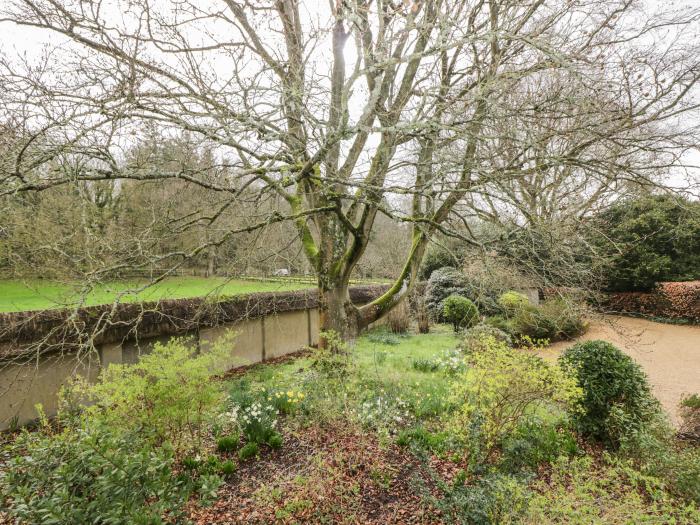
{"x":672,"y":300}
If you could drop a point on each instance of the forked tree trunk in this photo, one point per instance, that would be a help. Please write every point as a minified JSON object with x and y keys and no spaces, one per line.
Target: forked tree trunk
{"x":337,"y":313}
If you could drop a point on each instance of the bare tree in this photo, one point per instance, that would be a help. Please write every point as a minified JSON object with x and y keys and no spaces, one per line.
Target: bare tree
{"x":339,"y":109}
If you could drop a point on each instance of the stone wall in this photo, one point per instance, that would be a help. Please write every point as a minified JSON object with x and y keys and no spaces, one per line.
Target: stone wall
{"x":40,"y":351}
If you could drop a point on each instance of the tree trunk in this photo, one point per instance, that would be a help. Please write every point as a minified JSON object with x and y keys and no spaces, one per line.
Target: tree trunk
{"x":211,"y":261}
{"x":337,"y":313}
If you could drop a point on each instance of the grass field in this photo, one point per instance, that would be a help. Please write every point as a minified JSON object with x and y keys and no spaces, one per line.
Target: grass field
{"x":17,"y":296}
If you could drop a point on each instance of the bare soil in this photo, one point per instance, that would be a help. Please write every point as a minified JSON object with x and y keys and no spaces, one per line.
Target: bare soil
{"x":670,"y":354}
{"x":332,"y":474}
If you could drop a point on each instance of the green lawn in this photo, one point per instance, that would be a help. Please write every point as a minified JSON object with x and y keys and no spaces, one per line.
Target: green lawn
{"x":17,"y":296}
{"x":376,"y":356}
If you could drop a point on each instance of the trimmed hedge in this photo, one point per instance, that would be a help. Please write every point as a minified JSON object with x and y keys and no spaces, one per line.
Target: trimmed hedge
{"x":672,"y":300}
{"x":66,"y":329}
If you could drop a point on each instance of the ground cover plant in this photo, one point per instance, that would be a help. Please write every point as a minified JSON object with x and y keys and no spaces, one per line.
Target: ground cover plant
{"x":411,"y":428}
{"x":437,"y":428}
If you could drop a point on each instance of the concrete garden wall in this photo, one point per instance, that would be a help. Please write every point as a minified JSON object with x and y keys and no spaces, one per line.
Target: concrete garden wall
{"x":40,"y":351}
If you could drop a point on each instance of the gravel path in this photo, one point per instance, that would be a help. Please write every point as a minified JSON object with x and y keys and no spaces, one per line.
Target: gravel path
{"x":670,"y":354}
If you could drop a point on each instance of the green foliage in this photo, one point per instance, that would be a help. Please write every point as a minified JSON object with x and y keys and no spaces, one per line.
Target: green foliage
{"x":383,"y":337}
{"x":113,"y":461}
{"x":501,"y":323}
{"x":691,"y":401}
{"x":227,"y":443}
{"x":474,"y":337}
{"x":443,"y":282}
{"x":536,"y":442}
{"x":690,"y":416}
{"x":579,"y":493}
{"x":422,"y":438}
{"x":276,"y":441}
{"x":512,"y":301}
{"x":248,"y":451}
{"x":494,"y":499}
{"x":90,"y":475}
{"x":653,"y":450}
{"x":460,"y":312}
{"x":616,"y":396}
{"x":680,"y":470}
{"x":651,"y":239}
{"x":257,"y":422}
{"x":554,"y":319}
{"x":228,"y":468}
{"x":436,"y":257}
{"x":449,"y":281}
{"x":168,"y":396}
{"x":331,"y":359}
{"x":426,"y":365}
{"x":286,"y":402}
{"x":503,"y":387}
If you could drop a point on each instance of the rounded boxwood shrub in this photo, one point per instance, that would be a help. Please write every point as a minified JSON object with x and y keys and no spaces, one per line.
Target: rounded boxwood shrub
{"x":613,"y":385}
{"x":460,"y":312}
{"x":474,"y":337}
{"x":512,"y":301}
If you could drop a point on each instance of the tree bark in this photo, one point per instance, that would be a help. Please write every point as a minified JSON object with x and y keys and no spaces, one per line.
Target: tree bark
{"x":337,"y":313}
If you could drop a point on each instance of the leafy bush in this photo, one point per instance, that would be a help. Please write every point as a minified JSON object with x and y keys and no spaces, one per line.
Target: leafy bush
{"x":167,"y":396}
{"x":474,"y":337}
{"x":681,"y":472}
{"x":512,"y":301}
{"x":460,"y":312}
{"x":477,"y":284}
{"x":616,"y":395}
{"x":536,"y":442}
{"x":650,"y":239}
{"x":690,"y":415}
{"x":503,"y":387}
{"x":113,"y":461}
{"x":443,"y":283}
{"x":90,"y":475}
{"x":580,"y":493}
{"x":494,"y":499}
{"x":436,"y":257}
{"x":554,"y":319}
{"x":502,"y":324}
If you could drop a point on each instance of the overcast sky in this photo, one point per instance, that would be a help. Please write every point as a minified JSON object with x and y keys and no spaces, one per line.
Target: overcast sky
{"x":16,"y":40}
